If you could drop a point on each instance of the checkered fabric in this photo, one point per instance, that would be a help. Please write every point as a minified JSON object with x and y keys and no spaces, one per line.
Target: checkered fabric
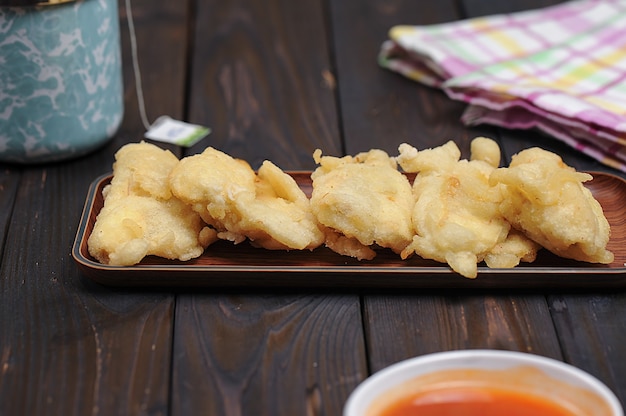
{"x":560,"y":69}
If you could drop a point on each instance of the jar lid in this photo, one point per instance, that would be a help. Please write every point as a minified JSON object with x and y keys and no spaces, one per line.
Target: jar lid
{"x":25,"y":3}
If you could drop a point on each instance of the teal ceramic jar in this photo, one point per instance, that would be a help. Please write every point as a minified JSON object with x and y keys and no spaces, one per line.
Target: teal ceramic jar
{"x":61,"y":91}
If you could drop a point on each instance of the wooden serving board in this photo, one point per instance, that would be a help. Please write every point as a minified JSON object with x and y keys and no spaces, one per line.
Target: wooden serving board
{"x":226,"y":265}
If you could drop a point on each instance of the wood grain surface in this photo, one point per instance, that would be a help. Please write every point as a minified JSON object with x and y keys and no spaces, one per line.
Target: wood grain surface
{"x":274,"y":80}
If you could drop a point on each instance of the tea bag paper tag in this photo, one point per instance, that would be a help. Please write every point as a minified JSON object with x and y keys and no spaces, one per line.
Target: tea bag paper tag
{"x":166,"y":129}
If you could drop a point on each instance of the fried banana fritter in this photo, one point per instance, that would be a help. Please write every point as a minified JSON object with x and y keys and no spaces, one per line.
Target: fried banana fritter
{"x":140,"y":216}
{"x":547,"y":201}
{"x":456,"y":211}
{"x":363,"y":201}
{"x":456,"y":215}
{"x":268,"y":208}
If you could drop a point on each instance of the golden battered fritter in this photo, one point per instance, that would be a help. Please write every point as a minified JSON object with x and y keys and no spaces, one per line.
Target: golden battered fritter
{"x":456,"y":215}
{"x":363,"y":201}
{"x":268,"y":208}
{"x":546,"y":200}
{"x":140,"y":216}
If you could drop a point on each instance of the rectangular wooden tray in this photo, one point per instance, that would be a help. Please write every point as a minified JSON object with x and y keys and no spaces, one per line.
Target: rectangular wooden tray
{"x":226,"y":265}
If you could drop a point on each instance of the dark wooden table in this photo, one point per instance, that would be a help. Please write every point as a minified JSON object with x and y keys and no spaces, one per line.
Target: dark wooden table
{"x":274,"y":80}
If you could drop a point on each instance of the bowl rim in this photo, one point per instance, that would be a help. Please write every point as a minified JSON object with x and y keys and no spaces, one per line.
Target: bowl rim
{"x":403,"y":371}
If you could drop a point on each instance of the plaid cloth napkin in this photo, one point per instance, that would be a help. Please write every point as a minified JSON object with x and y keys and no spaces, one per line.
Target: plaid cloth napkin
{"x":560,"y":69}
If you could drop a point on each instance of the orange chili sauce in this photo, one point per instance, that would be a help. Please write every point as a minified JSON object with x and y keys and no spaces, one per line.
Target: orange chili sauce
{"x":474,"y":401}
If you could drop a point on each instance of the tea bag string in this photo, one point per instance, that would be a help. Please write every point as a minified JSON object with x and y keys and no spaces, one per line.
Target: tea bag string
{"x":164,"y":128}
{"x":136,"y":70}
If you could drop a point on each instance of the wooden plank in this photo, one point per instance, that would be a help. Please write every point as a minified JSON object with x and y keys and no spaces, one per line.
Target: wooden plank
{"x":266,"y":353}
{"x":381,"y":109}
{"x":389,"y":110}
{"x":401,"y":326}
{"x":591,"y":327}
{"x":9,"y":181}
{"x":262,"y":80}
{"x":68,"y":346}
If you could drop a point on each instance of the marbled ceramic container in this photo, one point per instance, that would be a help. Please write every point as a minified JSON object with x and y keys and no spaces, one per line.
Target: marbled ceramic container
{"x":61,"y":91}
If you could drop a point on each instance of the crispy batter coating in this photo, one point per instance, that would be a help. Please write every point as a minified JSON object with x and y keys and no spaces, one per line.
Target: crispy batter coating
{"x":364,"y":201}
{"x":510,"y":252}
{"x":209,"y":182}
{"x":546,"y":200}
{"x":268,"y":208}
{"x":456,"y":215}
{"x":459,"y":212}
{"x":140,"y":216}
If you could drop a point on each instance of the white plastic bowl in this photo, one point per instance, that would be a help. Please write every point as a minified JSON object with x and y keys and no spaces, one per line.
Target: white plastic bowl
{"x":504,"y":369}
